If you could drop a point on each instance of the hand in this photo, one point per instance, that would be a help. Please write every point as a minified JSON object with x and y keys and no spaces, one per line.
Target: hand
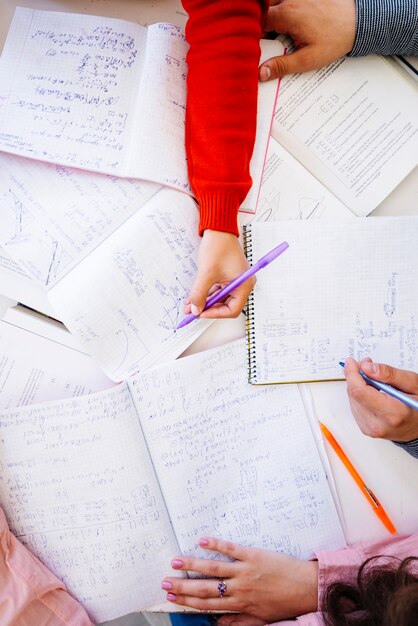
{"x":220,"y":260}
{"x":260,"y":583}
{"x":322,"y":30}
{"x":376,"y":413}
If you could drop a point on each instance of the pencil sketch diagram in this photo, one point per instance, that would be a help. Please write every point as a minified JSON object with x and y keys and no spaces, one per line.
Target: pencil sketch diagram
{"x":275,"y":207}
{"x":58,"y":256}
{"x":129,"y":345}
{"x":172,"y":304}
{"x":21,"y":217}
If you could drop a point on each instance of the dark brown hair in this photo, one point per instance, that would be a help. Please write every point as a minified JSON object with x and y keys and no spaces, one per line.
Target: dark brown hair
{"x":386,"y":594}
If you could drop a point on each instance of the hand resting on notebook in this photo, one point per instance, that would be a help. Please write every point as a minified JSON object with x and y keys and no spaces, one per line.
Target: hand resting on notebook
{"x":322,"y":32}
{"x":378,"y":414}
{"x":325,"y":30}
{"x":269,"y":585}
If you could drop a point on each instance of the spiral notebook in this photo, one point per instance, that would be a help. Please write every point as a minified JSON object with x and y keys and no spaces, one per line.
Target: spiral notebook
{"x":343,"y":288}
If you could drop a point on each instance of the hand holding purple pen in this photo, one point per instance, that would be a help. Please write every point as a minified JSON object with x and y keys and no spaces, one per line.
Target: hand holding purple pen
{"x":222,"y":293}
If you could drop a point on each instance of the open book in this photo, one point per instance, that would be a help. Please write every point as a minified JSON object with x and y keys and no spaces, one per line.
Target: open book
{"x":106,"y":95}
{"x":352,"y":125}
{"x":123,"y":480}
{"x":343,"y":288}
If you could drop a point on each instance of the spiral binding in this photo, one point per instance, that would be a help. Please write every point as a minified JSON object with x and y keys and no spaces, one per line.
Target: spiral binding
{"x":251,"y":352}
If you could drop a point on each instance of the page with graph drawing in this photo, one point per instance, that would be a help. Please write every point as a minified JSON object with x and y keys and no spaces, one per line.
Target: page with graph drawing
{"x":343,"y":288}
{"x":46,"y":238}
{"x":289,"y":191}
{"x":125,"y":300}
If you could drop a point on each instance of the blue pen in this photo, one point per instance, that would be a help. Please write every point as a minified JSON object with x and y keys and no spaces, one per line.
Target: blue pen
{"x":391,"y":391}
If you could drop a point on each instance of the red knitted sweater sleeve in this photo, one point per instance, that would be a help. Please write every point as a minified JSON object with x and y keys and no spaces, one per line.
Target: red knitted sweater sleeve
{"x":221,"y":111}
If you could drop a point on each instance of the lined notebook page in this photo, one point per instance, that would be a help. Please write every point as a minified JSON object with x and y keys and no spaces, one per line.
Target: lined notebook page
{"x":343,"y":288}
{"x":125,"y":300}
{"x":233,"y":460}
{"x":79,"y":490}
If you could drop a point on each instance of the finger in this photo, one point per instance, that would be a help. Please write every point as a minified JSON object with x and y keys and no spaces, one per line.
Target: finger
{"x":355,"y":381}
{"x":301,"y":60}
{"x":199,"y":292}
{"x":207,"y":567}
{"x":207,"y":588}
{"x":234,"y":303}
{"x":401,"y":379}
{"x":208,"y":604}
{"x":230,"y":308}
{"x":227,"y":548}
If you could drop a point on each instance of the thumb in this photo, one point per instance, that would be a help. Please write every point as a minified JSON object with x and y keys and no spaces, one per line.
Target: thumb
{"x":401,"y":379}
{"x":199,"y":293}
{"x":298,"y":61}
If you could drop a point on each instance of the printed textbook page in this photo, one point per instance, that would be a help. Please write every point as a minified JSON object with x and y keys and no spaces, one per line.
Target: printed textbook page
{"x":353,"y":125}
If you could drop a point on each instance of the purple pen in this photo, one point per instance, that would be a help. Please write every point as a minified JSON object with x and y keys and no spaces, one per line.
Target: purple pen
{"x":220,"y":295}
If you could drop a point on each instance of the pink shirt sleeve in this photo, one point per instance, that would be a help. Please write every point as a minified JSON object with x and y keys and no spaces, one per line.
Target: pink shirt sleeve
{"x":29,"y":592}
{"x":343,"y":565}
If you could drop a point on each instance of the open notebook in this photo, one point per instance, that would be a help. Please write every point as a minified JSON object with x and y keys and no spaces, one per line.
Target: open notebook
{"x":106,"y":95}
{"x":343,"y":288}
{"x":123,"y":480}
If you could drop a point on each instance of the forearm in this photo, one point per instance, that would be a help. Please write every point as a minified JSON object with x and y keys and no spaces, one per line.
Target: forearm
{"x":221,"y":111}
{"x":386,"y":27}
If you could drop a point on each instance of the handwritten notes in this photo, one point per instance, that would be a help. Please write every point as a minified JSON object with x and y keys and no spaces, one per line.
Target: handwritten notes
{"x":71,"y":98}
{"x":233,"y":460}
{"x":78,"y":489}
{"x":125,"y":300}
{"x":107,"y":488}
{"x":96,"y":93}
{"x":345,"y":289}
{"x":52,"y":216}
{"x":105,"y":95}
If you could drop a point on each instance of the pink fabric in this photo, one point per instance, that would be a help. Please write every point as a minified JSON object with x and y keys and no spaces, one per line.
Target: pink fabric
{"x":30,"y":595}
{"x":344,"y":565}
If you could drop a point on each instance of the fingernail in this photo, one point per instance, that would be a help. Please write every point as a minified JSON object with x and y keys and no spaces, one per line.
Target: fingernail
{"x":171,"y":597}
{"x":203,"y":541}
{"x":265,"y":73}
{"x":195,"y":310}
{"x":369,"y":367}
{"x":166,"y":585}
{"x":176,"y":563}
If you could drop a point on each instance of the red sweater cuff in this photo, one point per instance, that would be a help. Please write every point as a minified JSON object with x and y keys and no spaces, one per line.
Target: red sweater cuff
{"x":219,"y":210}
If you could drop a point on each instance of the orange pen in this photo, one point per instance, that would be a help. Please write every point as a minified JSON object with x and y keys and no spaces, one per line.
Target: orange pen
{"x":367,"y":492}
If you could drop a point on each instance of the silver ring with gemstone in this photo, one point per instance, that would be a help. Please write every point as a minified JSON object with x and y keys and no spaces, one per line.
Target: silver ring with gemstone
{"x":222,"y":588}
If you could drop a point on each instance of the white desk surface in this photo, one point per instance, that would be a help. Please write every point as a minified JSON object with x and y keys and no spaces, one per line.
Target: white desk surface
{"x":392,"y":474}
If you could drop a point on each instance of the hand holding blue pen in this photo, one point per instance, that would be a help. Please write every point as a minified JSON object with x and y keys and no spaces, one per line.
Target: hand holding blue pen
{"x":220,"y":295}
{"x":391,"y":391}
{"x":377,"y":414}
